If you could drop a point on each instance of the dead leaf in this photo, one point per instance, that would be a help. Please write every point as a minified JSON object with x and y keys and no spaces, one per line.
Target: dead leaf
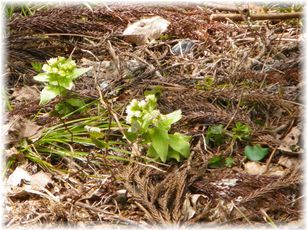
{"x":290,"y":143}
{"x":19,"y":128}
{"x":187,"y":209}
{"x":26,"y":93}
{"x":288,"y":162}
{"x":18,"y":176}
{"x":254,"y":168}
{"x":40,"y":180}
{"x":10,"y":152}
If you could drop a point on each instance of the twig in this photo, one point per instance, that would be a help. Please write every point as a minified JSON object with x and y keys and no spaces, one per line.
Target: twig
{"x":239,"y":17}
{"x":270,"y":159}
{"x":222,"y":7}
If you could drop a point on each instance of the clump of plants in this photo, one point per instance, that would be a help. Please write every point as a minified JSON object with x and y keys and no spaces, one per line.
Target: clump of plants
{"x":217,"y":135}
{"x":149,"y":127}
{"x":58,"y":76}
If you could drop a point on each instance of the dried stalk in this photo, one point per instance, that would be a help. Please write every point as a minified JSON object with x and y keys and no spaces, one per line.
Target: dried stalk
{"x":239,"y":17}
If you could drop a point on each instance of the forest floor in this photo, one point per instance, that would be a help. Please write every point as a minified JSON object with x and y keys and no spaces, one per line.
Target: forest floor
{"x":237,"y":75}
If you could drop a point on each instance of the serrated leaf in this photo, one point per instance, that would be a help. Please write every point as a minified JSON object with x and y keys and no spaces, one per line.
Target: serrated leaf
{"x":37,"y":66}
{"x":173,"y":117}
{"x":48,"y":93}
{"x":241,"y":131}
{"x":131,"y":136}
{"x":67,"y":84}
{"x":42,"y":77}
{"x":180,"y":143}
{"x":160,"y":141}
{"x":78,"y":72}
{"x":98,"y":143}
{"x":256,"y":152}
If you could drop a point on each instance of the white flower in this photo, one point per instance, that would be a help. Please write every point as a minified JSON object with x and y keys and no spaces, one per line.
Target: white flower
{"x":150,"y":97}
{"x":142,"y":103}
{"x":128,"y":110}
{"x":136,"y":113}
{"x":134,"y":103}
{"x":62,"y":73}
{"x":155,"y":114}
{"x":52,"y":61}
{"x":46,"y":68}
{"x":54,"y":70}
{"x":129,"y":119}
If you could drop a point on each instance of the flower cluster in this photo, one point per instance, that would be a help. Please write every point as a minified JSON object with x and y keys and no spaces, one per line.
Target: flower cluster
{"x":148,"y":126}
{"x":58,"y":76}
{"x":143,"y":113}
{"x":60,"y":66}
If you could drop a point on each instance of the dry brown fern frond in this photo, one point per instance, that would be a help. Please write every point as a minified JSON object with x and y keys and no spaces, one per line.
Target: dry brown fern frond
{"x":161,"y":195}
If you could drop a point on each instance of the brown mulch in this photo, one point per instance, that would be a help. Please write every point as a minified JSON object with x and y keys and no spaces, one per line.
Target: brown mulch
{"x":256,"y":68}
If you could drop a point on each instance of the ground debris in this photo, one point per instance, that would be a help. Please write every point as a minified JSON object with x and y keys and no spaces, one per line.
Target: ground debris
{"x":215,"y":72}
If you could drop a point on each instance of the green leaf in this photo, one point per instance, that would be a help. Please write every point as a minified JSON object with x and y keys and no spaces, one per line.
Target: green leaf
{"x":151,"y":152}
{"x":131,"y":136}
{"x":216,"y":162}
{"x":37,"y":66}
{"x":256,"y":152}
{"x":48,"y":93}
{"x":43,"y":77}
{"x":215,"y":134}
{"x":172,"y":154}
{"x":76,"y":102}
{"x":172,"y":118}
{"x":78,"y":72}
{"x":135,"y":126}
{"x":229,"y":162}
{"x":62,"y":108}
{"x":160,"y":140}
{"x":180,"y":143}
{"x":98,"y":143}
{"x":241,"y":131}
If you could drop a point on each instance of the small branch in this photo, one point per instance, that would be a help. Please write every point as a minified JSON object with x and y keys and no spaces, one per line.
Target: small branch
{"x":222,"y":7}
{"x":239,"y":17}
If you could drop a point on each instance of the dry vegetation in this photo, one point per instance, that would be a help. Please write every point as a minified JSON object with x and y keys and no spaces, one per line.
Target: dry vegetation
{"x":256,"y":70}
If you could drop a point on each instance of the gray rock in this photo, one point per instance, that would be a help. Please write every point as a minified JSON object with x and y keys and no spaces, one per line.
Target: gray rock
{"x":182,"y":47}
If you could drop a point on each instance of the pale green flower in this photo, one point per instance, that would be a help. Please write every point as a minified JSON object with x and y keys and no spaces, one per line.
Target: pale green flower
{"x":150,"y":97}
{"x":52,"y":61}
{"x":46,"y":68}
{"x":54,"y":70}
{"x":142,"y":103}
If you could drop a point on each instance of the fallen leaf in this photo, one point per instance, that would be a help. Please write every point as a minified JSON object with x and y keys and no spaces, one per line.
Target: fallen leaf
{"x":10,"y":152}
{"x":17,"y":176}
{"x":254,"y":168}
{"x":290,"y":143}
{"x":19,"y":128}
{"x":26,"y":93}
{"x":187,"y":209}
{"x":190,"y":205}
{"x":40,"y":180}
{"x":288,"y":162}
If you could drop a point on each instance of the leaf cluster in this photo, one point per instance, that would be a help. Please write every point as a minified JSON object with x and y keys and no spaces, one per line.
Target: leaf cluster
{"x":149,"y":126}
{"x":58,"y":76}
